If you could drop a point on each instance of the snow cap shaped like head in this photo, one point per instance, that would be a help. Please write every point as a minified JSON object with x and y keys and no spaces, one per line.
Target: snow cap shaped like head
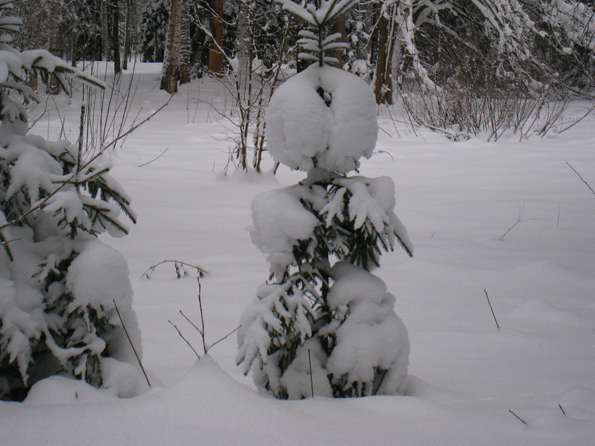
{"x":322,"y":117}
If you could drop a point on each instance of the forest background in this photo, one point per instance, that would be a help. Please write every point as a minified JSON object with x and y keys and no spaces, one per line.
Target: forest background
{"x":478,"y":45}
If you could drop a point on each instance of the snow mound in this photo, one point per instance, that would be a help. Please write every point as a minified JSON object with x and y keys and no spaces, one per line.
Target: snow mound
{"x":322,"y":117}
{"x":307,"y":376}
{"x":354,"y":285}
{"x":279,"y":221}
{"x":98,"y":275}
{"x":372,"y":343}
{"x":538,"y":310}
{"x":61,"y":390}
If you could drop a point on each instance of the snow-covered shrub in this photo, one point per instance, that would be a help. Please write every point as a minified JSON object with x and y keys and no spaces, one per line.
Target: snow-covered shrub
{"x":457,"y":113}
{"x":324,"y":325}
{"x":59,"y":285}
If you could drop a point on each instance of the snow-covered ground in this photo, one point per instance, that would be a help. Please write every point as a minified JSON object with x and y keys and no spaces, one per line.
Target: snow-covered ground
{"x":467,"y":380}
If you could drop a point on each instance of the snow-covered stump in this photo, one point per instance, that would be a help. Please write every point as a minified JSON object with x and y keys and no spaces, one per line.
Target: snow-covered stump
{"x":324,"y":325}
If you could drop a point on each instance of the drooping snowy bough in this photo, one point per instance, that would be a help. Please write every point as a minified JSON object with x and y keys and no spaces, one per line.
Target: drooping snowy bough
{"x":324,"y":325}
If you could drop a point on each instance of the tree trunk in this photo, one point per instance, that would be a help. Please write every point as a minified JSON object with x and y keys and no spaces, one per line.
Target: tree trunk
{"x":215,"y":54}
{"x":171,"y":64}
{"x":104,"y":17}
{"x":374,"y":35}
{"x":55,"y":41}
{"x":185,"y":44}
{"x":127,"y":34}
{"x":243,"y":43}
{"x":339,"y":27}
{"x":73,"y":49}
{"x":116,"y":36}
{"x":383,"y":86}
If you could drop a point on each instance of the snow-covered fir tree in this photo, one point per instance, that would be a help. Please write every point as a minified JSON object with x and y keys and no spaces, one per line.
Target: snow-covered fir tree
{"x":59,"y":285}
{"x":324,"y":324}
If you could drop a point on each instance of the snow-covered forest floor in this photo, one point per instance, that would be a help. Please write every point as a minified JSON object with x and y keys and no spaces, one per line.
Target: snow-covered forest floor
{"x":467,"y":378}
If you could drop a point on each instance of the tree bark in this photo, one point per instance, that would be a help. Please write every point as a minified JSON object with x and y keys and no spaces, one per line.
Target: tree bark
{"x":104,"y":17}
{"x":243,"y":43}
{"x":55,"y":41}
{"x":383,"y":86}
{"x":127,"y":34}
{"x":73,"y":49}
{"x":185,"y":44}
{"x":171,"y":74}
{"x":339,"y":27}
{"x":116,"y":36}
{"x":215,"y":54}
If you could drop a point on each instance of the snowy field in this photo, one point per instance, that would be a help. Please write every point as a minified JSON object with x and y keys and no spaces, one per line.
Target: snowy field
{"x":467,"y":379}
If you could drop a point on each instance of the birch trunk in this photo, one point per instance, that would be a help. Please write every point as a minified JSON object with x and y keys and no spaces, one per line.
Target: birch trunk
{"x":171,"y":64}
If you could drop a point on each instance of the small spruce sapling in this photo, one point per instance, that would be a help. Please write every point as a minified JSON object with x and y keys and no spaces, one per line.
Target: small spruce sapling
{"x":324,"y":324}
{"x":58,"y":283}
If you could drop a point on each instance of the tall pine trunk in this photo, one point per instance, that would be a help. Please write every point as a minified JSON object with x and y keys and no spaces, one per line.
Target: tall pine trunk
{"x":215,"y":54}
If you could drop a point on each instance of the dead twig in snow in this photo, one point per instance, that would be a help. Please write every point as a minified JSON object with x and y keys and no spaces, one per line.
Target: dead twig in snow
{"x":491,"y":308}
{"x":579,"y":175}
{"x":179,"y":267}
{"x":225,"y":337}
{"x":519,"y":418}
{"x":201,"y":330}
{"x":192,"y":323}
{"x":134,"y":127}
{"x":578,"y":120}
{"x":202,"y":318}
{"x":311,"y":378}
{"x":185,"y":340}
{"x":131,"y":344}
{"x":519,"y":220}
{"x":155,"y":159}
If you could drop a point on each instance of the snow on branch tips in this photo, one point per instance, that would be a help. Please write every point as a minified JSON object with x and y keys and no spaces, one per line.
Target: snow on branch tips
{"x":324,"y":324}
{"x":319,"y":16}
{"x":65,"y":296}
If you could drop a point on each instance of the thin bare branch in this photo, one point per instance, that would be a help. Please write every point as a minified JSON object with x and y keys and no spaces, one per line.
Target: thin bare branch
{"x":224,"y":337}
{"x":492,"y":309}
{"x":185,"y":340}
{"x":192,"y":323}
{"x":155,"y":159}
{"x":151,"y":269}
{"x":519,"y":418}
{"x":131,"y":344}
{"x":579,"y":175}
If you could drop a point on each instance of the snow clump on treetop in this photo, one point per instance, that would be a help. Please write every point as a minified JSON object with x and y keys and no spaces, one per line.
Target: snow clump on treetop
{"x":322,"y":117}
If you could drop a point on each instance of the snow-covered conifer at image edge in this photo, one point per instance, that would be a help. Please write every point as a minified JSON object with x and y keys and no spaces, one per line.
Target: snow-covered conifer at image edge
{"x":60,"y":287}
{"x":324,"y":325}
